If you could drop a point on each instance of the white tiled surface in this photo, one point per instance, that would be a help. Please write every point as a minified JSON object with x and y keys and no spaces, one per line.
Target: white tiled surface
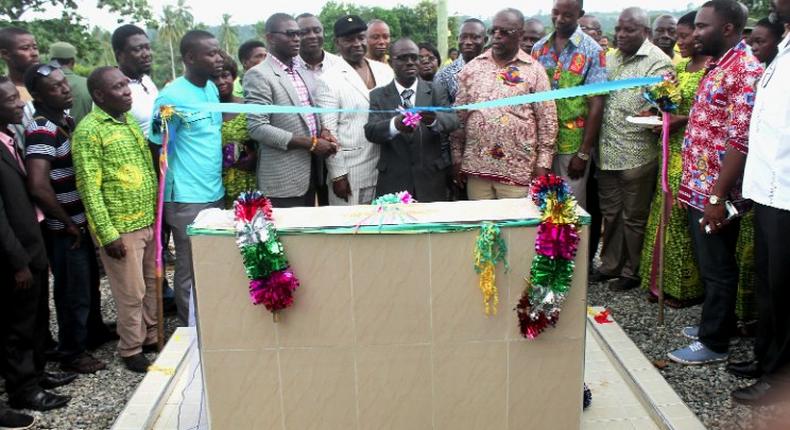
{"x":628,"y":393}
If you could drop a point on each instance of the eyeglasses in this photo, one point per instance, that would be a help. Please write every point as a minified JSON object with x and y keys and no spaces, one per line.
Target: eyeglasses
{"x":291,"y":34}
{"x":503,"y":31}
{"x":427,"y":58}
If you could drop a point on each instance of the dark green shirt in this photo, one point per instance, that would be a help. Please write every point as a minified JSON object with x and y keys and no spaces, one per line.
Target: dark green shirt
{"x":79,"y":90}
{"x":115,"y":175}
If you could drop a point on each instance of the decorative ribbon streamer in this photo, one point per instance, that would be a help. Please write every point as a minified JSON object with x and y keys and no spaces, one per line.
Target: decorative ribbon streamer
{"x":165,"y":115}
{"x":665,"y":154}
{"x":583,"y":90}
{"x":490,"y":249}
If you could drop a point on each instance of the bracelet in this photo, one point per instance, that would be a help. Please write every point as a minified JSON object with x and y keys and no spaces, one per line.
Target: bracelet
{"x":583,"y":156}
{"x":314,"y":143}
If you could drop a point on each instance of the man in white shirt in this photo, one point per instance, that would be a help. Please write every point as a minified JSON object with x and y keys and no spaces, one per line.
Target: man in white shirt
{"x":767,"y":182}
{"x":133,"y":54}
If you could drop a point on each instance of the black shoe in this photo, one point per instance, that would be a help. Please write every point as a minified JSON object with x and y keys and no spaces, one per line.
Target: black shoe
{"x":745,"y":369}
{"x":52,"y":355}
{"x":624,"y":284}
{"x":40,"y":401}
{"x":137,"y":363}
{"x":10,"y":420}
{"x":150,"y":348}
{"x":596,"y":277}
{"x":761,"y":393}
{"x":83,"y":363}
{"x":54,"y":380}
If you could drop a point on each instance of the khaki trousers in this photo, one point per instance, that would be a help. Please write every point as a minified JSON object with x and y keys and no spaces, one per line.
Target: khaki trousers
{"x":578,"y":186}
{"x":133,"y":285}
{"x":625,"y":205}
{"x":486,"y":189}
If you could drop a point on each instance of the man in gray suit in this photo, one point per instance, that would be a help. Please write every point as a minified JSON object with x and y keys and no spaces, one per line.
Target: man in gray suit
{"x":286,"y":141}
{"x":411,"y":158}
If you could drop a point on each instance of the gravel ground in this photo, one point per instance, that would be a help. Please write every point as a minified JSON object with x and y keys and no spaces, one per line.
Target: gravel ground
{"x":99,"y":398}
{"x":705,"y":389}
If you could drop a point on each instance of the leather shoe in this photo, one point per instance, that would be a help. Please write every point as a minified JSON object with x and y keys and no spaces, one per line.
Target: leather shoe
{"x":40,"y":401}
{"x":137,"y":363}
{"x":53,"y":380}
{"x":596,"y":277}
{"x":745,"y":369}
{"x":761,"y":393}
{"x":624,"y":284}
{"x":147,"y":349}
{"x":11,"y":420}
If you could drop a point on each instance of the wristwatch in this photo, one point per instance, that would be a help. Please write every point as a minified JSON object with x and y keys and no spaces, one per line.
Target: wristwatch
{"x":583,"y":156}
{"x":715,"y":200}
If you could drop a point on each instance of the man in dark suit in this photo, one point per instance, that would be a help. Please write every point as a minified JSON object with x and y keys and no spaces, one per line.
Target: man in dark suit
{"x":23,"y":276}
{"x":411,"y":158}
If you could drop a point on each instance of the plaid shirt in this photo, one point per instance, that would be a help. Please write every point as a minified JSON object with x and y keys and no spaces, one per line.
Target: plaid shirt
{"x":301,"y":90}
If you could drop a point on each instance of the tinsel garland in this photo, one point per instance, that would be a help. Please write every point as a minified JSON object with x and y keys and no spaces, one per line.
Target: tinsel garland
{"x":272,"y":283}
{"x":490,"y":249}
{"x":556,"y":243}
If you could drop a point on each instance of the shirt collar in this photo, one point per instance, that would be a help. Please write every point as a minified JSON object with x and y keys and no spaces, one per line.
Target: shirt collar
{"x":576,"y":38}
{"x":305,"y":65}
{"x":520,"y":56}
{"x":728,"y":56}
{"x":102,"y":116}
{"x":400,"y":87}
{"x":282,"y":65}
{"x":7,"y":136}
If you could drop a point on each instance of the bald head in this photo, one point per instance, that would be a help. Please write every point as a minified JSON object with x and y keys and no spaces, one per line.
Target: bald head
{"x":636,"y":14}
{"x":665,"y":34}
{"x":632,"y":29}
{"x":592,"y":26}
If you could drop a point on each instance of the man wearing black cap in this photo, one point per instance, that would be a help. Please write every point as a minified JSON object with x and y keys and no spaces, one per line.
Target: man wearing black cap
{"x":352,"y":170}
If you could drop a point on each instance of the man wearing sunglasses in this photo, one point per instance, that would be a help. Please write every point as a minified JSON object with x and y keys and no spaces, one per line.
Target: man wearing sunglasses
{"x":286,"y":141}
{"x":501,"y":150}
{"x":52,"y":183}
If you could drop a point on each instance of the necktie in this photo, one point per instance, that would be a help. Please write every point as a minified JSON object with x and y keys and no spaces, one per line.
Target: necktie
{"x":405,"y":95}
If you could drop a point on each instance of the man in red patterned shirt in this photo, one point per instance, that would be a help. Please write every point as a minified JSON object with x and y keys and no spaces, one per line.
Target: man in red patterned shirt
{"x":714,"y":155}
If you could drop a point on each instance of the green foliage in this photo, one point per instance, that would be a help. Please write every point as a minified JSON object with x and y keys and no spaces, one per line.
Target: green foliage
{"x":136,"y":10}
{"x":228,"y":36}
{"x":13,"y":10}
{"x":418,"y":23}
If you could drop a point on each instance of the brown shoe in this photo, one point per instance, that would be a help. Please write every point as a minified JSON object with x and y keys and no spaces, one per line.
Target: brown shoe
{"x":84,"y":363}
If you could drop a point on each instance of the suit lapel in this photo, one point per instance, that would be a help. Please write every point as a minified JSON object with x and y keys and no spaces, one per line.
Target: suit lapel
{"x":393,"y":97}
{"x":288,"y":86}
{"x":353,"y":78}
{"x":10,"y":159}
{"x":424,"y":97}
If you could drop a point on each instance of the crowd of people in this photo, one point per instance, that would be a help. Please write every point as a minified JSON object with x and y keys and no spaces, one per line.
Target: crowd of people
{"x":78,"y":177}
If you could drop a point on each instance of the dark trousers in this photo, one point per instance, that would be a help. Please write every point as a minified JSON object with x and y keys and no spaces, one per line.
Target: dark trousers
{"x":594,"y":209}
{"x":772,"y":272}
{"x":22,"y":332}
{"x":718,"y":269}
{"x":75,"y":291}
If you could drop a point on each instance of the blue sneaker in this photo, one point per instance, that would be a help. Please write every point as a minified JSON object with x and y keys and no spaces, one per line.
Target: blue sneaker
{"x":696,"y":353}
{"x":691,"y":332}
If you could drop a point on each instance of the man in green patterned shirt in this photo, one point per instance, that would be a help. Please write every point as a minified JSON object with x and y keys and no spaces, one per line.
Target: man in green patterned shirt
{"x":116,"y":179}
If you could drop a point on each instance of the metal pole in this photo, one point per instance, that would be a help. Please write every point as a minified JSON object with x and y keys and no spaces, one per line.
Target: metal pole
{"x":442,"y":32}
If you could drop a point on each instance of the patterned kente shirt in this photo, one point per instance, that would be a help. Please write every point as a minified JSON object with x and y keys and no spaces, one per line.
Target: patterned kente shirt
{"x":115,"y":175}
{"x":448,"y":77}
{"x":719,"y":118}
{"x":581,"y":62}
{"x":504,"y":144}
{"x":624,"y":145}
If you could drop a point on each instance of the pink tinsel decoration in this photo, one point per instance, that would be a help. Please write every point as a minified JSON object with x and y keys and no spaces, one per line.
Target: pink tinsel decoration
{"x":557,"y":240}
{"x":276,"y":291}
{"x":411,"y":119}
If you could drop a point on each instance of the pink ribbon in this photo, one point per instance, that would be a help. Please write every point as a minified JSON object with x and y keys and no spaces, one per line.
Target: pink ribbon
{"x":665,"y":154}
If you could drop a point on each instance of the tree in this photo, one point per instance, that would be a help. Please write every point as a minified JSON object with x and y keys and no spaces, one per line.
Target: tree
{"x":260,"y":30}
{"x":138,"y":10}
{"x":228,"y":35}
{"x":14,"y":9}
{"x":175,"y":21}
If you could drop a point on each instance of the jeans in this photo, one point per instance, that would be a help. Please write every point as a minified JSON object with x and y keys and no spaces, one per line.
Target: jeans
{"x":76,"y":274}
{"x":718,"y":268}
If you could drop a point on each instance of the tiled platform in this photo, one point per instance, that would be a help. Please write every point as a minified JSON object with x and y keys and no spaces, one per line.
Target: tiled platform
{"x":628,"y":392}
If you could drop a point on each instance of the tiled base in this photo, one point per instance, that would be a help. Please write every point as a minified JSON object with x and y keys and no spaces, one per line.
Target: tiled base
{"x":628,"y":393}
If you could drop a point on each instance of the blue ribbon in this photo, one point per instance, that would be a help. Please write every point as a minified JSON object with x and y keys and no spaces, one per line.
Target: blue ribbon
{"x":580,"y":91}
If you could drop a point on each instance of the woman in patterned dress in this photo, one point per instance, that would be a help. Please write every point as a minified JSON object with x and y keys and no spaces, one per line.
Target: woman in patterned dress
{"x":682,"y":283}
{"x":238,"y":150}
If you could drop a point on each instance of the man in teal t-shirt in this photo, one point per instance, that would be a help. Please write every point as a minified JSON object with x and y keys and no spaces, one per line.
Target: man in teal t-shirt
{"x":194,"y":176}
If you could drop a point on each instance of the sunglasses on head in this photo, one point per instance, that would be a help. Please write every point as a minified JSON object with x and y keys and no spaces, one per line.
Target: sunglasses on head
{"x":46,"y":69}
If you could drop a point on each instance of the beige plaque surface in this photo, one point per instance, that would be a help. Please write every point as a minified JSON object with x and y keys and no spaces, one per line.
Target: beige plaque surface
{"x":387,"y":332}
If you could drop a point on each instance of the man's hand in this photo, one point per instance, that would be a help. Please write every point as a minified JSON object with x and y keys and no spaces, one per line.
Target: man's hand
{"x":428,"y":117}
{"x":75,"y":232}
{"x":714,"y":216}
{"x":401,"y":127}
{"x":576,"y":167}
{"x":23,"y":278}
{"x":341,"y":187}
{"x":116,"y":249}
{"x":327,"y":135}
{"x":541,"y":171}
{"x":459,"y":178}
{"x":325,"y":148}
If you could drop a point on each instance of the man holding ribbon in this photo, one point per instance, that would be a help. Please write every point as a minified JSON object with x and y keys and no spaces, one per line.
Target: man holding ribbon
{"x":573,"y":58}
{"x":286,"y":141}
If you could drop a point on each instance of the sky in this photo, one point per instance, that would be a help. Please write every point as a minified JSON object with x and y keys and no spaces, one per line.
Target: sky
{"x":205,"y":11}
